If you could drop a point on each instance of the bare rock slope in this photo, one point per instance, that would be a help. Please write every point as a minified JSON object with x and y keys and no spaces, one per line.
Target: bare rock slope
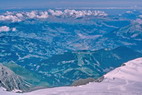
{"x":10,"y":81}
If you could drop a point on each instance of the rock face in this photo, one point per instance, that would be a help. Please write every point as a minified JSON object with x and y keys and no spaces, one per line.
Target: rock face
{"x":86,"y":81}
{"x":83,"y":81}
{"x":10,"y":81}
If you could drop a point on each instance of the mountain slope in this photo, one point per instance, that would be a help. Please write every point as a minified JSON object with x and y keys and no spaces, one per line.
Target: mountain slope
{"x":125,"y":80}
{"x":68,"y":67}
{"x":29,"y":76}
{"x":10,"y":81}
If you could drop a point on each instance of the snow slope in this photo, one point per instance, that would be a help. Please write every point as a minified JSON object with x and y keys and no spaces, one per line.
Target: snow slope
{"x":125,"y":80}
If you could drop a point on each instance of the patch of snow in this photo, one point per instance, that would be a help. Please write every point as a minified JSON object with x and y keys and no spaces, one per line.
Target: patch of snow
{"x":3,"y":92}
{"x":139,"y":21}
{"x":6,"y":29}
{"x":129,"y":12}
{"x":30,"y":56}
{"x":88,"y":36}
{"x":140,"y":16}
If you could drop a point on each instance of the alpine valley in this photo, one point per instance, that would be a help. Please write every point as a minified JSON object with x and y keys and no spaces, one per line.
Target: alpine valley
{"x":64,"y":47}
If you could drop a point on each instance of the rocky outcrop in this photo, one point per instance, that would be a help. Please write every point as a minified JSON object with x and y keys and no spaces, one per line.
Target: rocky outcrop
{"x":86,"y":81}
{"x":12,"y":82}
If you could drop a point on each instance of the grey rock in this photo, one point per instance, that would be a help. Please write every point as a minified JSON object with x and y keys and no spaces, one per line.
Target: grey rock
{"x":86,"y":81}
{"x":10,"y":81}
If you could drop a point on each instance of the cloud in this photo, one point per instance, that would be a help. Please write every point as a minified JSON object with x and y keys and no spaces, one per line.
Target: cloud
{"x":36,"y":14}
{"x":6,"y":29}
{"x":43,"y":15}
{"x":31,"y":14}
{"x":13,"y":29}
{"x":9,"y":18}
{"x":55,"y":12}
{"x":20,"y":16}
{"x":83,"y":13}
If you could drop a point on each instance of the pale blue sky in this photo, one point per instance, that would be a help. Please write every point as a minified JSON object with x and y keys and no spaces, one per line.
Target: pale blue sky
{"x":7,"y":4}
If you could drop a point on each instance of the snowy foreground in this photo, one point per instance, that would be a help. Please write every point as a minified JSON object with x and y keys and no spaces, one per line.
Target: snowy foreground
{"x":125,"y":80}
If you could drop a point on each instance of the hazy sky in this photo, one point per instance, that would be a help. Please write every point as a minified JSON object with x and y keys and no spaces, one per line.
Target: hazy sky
{"x":6,"y":4}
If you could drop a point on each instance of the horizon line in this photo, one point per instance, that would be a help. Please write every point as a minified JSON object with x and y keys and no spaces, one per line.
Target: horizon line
{"x":18,"y":8}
